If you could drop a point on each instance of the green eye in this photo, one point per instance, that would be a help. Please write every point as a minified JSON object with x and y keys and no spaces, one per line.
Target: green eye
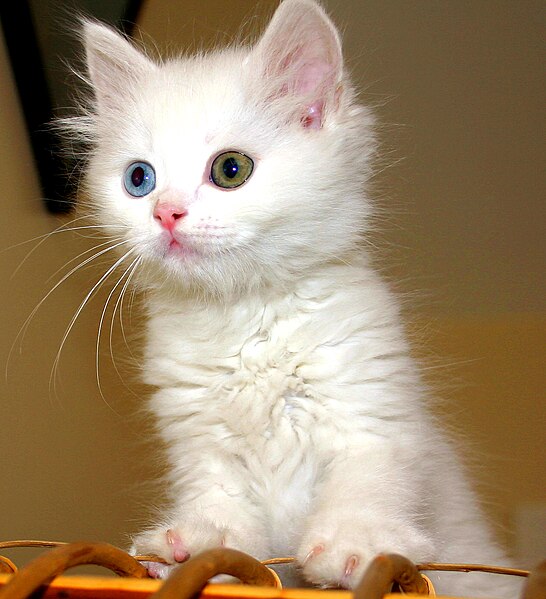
{"x":231,"y":169}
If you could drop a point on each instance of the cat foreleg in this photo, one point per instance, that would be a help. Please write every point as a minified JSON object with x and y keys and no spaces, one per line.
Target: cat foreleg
{"x":360,"y":510}
{"x":214,"y":518}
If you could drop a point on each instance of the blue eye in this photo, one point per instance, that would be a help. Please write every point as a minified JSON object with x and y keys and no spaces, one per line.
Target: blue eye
{"x":139,"y":179}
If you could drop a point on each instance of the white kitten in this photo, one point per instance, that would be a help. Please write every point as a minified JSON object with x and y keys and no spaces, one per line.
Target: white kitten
{"x":293,"y":416}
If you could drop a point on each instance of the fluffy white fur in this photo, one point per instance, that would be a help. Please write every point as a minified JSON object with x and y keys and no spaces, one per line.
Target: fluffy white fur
{"x":293,"y":415}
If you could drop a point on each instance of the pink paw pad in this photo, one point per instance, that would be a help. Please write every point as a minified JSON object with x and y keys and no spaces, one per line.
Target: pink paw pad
{"x":179,"y":552}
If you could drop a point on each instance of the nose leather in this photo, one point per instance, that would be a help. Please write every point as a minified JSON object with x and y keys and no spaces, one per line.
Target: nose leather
{"x":168,"y":214}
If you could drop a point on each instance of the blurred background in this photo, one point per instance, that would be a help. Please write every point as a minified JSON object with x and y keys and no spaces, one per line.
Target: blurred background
{"x":458,"y":89}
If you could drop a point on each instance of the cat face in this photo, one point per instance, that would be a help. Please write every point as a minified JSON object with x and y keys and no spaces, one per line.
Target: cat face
{"x":234,"y":169}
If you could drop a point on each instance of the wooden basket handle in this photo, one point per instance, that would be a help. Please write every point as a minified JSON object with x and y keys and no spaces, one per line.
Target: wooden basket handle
{"x":535,"y":587}
{"x":43,"y":569}
{"x":192,"y":576}
{"x":386,"y":570}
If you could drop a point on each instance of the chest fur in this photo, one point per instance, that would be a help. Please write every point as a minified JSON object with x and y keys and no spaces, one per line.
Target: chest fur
{"x":315,"y":367}
{"x":249,"y":370}
{"x":243,"y":373}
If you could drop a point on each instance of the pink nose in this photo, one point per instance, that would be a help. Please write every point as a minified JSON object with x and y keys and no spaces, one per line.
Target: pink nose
{"x":167,"y":215}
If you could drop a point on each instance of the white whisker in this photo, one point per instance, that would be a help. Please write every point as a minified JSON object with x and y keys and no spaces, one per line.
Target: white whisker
{"x":22,"y":332}
{"x":127,"y":274}
{"x":43,"y":238}
{"x":87,"y":251}
{"x":95,"y":287}
{"x":120,"y":303}
{"x":59,"y":229}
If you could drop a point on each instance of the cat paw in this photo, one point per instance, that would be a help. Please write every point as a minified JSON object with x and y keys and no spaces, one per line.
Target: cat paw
{"x":176,"y":544}
{"x":331,"y":566}
{"x":339,"y":557}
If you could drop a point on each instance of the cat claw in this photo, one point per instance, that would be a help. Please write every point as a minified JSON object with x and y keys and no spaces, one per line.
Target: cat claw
{"x":350,"y":565}
{"x":179,"y":552}
{"x":317,"y":550}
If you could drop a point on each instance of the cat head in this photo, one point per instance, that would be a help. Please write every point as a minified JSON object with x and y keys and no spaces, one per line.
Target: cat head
{"x":230,"y":170}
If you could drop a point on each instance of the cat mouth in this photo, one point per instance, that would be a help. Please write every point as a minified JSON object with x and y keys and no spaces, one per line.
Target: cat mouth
{"x":177,"y":247}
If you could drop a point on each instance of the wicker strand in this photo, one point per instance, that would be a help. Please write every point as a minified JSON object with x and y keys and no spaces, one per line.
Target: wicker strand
{"x":7,"y":566}
{"x":30,"y":543}
{"x":428,"y":566}
{"x":472,"y":568}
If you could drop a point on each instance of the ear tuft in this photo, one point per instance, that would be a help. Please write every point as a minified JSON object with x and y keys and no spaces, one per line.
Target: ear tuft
{"x":300,"y":57}
{"x":113,"y":63}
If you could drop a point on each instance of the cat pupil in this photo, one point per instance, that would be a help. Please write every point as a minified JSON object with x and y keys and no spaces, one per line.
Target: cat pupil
{"x":230,"y":168}
{"x":137,"y":176}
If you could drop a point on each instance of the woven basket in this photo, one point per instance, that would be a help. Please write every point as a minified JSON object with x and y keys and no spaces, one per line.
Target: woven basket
{"x":386,"y":577}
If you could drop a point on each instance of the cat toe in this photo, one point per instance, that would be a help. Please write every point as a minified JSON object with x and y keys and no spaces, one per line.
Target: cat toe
{"x":157,"y":570}
{"x":317,"y":550}
{"x":177,"y":542}
{"x":328,"y":567}
{"x":179,"y":550}
{"x":350,"y":566}
{"x":166,"y":544}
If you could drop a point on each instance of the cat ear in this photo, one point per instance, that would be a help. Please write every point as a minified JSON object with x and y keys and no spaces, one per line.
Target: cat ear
{"x":114,"y":65}
{"x":300,"y":56}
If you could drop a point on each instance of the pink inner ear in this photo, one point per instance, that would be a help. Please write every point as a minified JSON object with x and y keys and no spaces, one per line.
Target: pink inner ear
{"x":312,"y":76}
{"x":312,"y":79}
{"x":300,"y":54}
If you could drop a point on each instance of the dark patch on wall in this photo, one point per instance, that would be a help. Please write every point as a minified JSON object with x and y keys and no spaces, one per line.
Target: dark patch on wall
{"x":37,"y":41}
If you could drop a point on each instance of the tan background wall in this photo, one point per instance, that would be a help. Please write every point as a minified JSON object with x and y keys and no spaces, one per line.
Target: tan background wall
{"x":458,"y":90}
